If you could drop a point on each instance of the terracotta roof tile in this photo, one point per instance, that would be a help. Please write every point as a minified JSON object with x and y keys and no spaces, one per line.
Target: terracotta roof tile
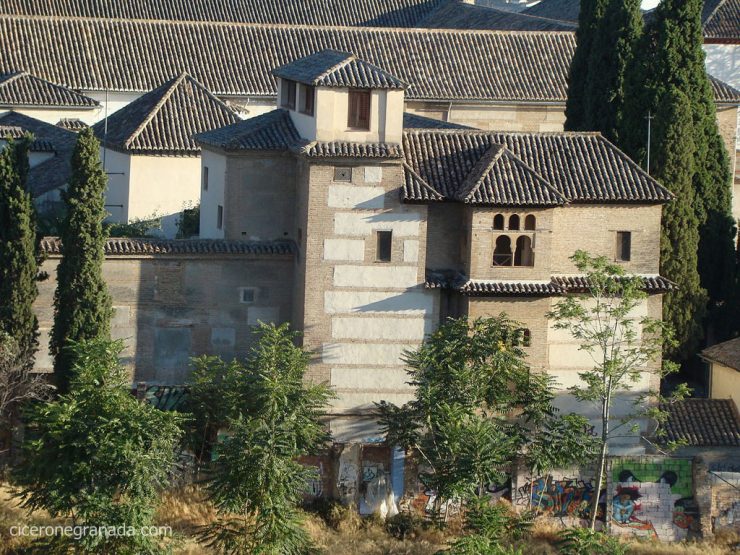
{"x":237,"y":60}
{"x":456,"y":15}
{"x":726,"y":353}
{"x":21,"y":89}
{"x":271,"y":131}
{"x":703,"y":422}
{"x":372,"y":13}
{"x":343,"y":149}
{"x":72,"y":124}
{"x":332,"y":68}
{"x":722,"y":21}
{"x":724,"y":93}
{"x":164,"y":120}
{"x":173,"y":247}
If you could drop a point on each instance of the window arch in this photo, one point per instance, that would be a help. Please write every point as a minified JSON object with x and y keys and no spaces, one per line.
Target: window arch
{"x":514,"y":222}
{"x":524,"y":255}
{"x":530,"y":222}
{"x":502,"y":255}
{"x":498,"y":221}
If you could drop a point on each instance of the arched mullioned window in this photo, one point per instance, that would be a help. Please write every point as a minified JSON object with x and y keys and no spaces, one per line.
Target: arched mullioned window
{"x":524,"y":256}
{"x":530,"y":222}
{"x":502,"y":255}
{"x":514,"y":222}
{"x":498,"y":221}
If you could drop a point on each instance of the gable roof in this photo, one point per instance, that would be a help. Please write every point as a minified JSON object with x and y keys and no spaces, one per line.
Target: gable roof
{"x":580,"y":167}
{"x":724,"y":93}
{"x":703,"y":422}
{"x":54,"y":172}
{"x":726,"y":353}
{"x":72,"y":124}
{"x":21,"y":89}
{"x":164,"y":120}
{"x":369,"y":13}
{"x":332,"y":68}
{"x":563,"y":10}
{"x":457,"y":15}
{"x":237,"y":60}
{"x":271,"y":131}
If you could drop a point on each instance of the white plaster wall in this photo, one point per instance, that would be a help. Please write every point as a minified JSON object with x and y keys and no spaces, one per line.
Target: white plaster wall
{"x":379,"y":379}
{"x":376,"y":277}
{"x":348,"y":196}
{"x":117,"y":166}
{"x":403,"y":224}
{"x":410,"y":250}
{"x":344,"y":249}
{"x":214,"y":196}
{"x":723,"y":61}
{"x":381,"y":354}
{"x":163,"y":186}
{"x":53,"y":115}
{"x":113,"y":100}
{"x":414,"y":302}
{"x":392,"y":329}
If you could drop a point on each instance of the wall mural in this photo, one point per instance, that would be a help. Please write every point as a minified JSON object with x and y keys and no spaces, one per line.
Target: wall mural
{"x":653,"y":499}
{"x":563,"y":497}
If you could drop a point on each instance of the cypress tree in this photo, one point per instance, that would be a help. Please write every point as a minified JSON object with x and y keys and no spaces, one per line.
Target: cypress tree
{"x":612,"y":50}
{"x":82,"y":305}
{"x":684,"y":308}
{"x":589,"y":20}
{"x":18,"y":256}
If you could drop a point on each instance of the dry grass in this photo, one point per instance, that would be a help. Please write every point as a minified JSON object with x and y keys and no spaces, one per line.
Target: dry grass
{"x":11,"y":514}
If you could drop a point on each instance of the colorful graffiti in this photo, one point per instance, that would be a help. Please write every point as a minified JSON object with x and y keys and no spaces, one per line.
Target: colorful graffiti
{"x":565,"y":497}
{"x":653,"y":498}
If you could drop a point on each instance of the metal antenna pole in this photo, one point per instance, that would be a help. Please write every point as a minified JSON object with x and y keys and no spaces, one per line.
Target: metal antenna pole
{"x":650,"y":122}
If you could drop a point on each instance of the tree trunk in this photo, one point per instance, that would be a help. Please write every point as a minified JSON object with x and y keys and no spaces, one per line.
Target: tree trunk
{"x":602,"y":460}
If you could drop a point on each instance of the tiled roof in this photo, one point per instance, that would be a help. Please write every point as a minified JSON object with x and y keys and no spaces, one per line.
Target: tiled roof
{"x":164,"y":120}
{"x":501,"y":179}
{"x":343,"y":149}
{"x":21,"y":89}
{"x":233,"y":59}
{"x":563,"y":10}
{"x":163,"y":247}
{"x":456,"y":15}
{"x":271,"y":131}
{"x":332,"y":68}
{"x":724,"y":93}
{"x":703,"y":422}
{"x":579,"y":284}
{"x":722,"y":21}
{"x":72,"y":124}
{"x":15,"y":132}
{"x":582,"y":167}
{"x":556,"y":285}
{"x":370,"y":13}
{"x":415,"y":121}
{"x":726,"y":353}
{"x":54,"y":172}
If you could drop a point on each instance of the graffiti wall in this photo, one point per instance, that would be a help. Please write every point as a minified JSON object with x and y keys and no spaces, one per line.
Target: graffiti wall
{"x":653,"y":497}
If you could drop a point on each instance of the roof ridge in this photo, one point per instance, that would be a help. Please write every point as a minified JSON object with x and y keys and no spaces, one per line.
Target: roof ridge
{"x":481,"y":167}
{"x":537,"y":174}
{"x":232,"y":24}
{"x":348,"y":59}
{"x":431,"y":189}
{"x":713,"y":12}
{"x":14,"y":76}
{"x":175,"y":82}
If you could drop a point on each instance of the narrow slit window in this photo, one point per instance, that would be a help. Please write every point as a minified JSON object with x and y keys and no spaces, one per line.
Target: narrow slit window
{"x":624,"y":245}
{"x":205,"y":178}
{"x":288,"y":93}
{"x":220,"y":217}
{"x":384,"y":246}
{"x":359,"y":110}
{"x":308,"y":95}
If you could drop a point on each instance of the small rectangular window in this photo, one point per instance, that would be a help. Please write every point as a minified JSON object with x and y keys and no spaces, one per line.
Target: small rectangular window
{"x":205,"y":178}
{"x":287,"y":94}
{"x":384,"y":246}
{"x":359,"y":110}
{"x":624,"y":245}
{"x":308,"y":95}
{"x":247,"y":295}
{"x":220,"y":217}
{"x":342,"y":174}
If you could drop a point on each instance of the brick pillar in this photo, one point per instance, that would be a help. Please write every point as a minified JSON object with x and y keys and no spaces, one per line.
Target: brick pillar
{"x":703,"y":496}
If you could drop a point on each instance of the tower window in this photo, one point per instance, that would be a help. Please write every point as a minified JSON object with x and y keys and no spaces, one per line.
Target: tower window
{"x":384,"y":246}
{"x":247,"y":295}
{"x":624,"y":245}
{"x":287,"y":94}
{"x":502,"y":255}
{"x":308,"y":95}
{"x":220,"y":217}
{"x":359,"y":110}
{"x":530,"y":223}
{"x":524,"y":255}
{"x":498,"y":221}
{"x":205,"y":178}
{"x":514,"y":222}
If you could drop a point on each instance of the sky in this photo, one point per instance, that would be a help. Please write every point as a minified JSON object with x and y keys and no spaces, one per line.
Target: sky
{"x":649,"y":4}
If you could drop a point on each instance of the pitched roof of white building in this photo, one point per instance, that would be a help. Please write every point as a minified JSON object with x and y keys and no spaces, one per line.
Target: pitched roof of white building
{"x":164,"y":120}
{"x":20,"y":89}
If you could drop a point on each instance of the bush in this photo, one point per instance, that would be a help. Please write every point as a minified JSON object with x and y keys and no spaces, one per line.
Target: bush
{"x":403,"y":525}
{"x":583,"y":541}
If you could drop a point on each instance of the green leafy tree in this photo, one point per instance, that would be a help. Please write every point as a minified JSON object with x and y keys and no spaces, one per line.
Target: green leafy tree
{"x":82,"y":305}
{"x":589,"y":20}
{"x":138,"y":227}
{"x":470,"y":376}
{"x":272,"y":418}
{"x":613,"y":47}
{"x":623,"y":348}
{"x":98,"y":456}
{"x":18,"y":253}
{"x":684,"y":307}
{"x":188,"y":224}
